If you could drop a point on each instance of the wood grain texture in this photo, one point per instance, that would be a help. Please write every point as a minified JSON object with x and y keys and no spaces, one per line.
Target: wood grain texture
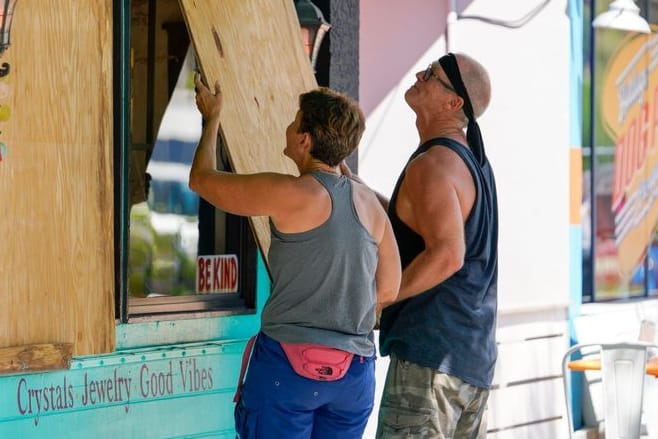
{"x":254,"y":49}
{"x":38,"y":357}
{"x":56,"y":183}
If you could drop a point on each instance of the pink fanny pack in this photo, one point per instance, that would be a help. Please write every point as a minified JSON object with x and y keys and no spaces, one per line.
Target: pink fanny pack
{"x":317,"y":362}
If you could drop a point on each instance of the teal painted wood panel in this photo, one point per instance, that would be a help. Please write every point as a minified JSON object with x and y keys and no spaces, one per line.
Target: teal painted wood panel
{"x":170,"y":392}
{"x":166,"y":380}
{"x":133,"y":335}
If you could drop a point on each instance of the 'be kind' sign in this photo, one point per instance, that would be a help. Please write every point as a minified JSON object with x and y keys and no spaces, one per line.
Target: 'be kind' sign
{"x":217,"y":274}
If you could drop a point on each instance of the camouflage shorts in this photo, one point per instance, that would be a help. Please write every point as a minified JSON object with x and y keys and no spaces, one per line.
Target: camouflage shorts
{"x":419,"y":402}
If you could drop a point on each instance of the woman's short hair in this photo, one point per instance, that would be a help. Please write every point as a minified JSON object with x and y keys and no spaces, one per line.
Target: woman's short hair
{"x":334,"y":121}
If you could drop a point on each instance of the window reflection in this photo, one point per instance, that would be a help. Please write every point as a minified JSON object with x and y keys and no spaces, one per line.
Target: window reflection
{"x":169,"y":226}
{"x":164,"y":229}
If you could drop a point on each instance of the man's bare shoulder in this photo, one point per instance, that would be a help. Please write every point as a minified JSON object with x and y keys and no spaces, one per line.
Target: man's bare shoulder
{"x":437,"y":164}
{"x":439,"y":171}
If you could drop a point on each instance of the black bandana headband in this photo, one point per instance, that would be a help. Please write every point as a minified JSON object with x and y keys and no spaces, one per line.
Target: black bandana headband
{"x":449,"y":65}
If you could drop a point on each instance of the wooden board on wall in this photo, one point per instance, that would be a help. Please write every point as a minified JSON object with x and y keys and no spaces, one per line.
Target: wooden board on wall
{"x":56,"y":179}
{"x":254,"y":49}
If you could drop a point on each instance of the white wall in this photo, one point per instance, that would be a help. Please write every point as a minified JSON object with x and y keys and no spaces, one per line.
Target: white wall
{"x":395,"y":42}
{"x":526,"y":128}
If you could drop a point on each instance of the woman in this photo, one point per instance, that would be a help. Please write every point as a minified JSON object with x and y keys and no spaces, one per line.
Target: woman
{"x":332,"y":257}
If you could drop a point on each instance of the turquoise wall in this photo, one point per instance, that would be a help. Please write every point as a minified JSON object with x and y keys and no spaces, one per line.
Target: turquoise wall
{"x":160,"y":383}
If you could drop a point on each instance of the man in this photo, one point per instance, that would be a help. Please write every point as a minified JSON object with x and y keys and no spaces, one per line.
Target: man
{"x":440,"y":332}
{"x":332,"y":257}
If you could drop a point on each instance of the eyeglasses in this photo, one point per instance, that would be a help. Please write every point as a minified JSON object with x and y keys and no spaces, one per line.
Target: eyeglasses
{"x":429,"y":73}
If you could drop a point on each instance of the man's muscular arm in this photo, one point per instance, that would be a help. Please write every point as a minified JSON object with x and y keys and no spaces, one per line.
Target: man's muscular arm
{"x":434,"y":200}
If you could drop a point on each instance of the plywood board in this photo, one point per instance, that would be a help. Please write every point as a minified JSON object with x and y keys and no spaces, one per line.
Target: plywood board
{"x":36,"y":357}
{"x":56,"y":180}
{"x":254,"y":49}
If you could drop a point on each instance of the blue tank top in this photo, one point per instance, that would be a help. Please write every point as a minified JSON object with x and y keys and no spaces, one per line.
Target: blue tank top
{"x":451,"y":327}
{"x":323,"y":289}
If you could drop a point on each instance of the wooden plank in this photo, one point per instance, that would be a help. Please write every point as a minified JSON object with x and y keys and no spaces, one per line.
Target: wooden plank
{"x":56,"y":182}
{"x":254,"y":49}
{"x":529,"y":360}
{"x":31,"y":358}
{"x":532,"y":323}
{"x":529,"y":331}
{"x":531,"y":344}
{"x":526,"y":403}
{"x":551,"y":428}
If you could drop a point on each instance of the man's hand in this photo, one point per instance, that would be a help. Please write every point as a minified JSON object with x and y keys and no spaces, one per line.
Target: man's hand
{"x":209,"y":104}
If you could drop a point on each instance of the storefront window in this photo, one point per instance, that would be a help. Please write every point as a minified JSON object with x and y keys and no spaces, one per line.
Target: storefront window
{"x":183,"y":256}
{"x":620,"y":147}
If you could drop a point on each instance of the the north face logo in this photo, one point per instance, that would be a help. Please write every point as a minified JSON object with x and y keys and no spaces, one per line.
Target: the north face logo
{"x":325,"y":370}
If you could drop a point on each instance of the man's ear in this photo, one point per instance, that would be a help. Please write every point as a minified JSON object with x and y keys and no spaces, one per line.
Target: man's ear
{"x":456,"y":103}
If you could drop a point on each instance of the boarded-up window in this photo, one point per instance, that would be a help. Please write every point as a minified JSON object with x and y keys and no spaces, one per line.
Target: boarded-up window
{"x":254,"y":49}
{"x":169,"y":225}
{"x":56,"y":179}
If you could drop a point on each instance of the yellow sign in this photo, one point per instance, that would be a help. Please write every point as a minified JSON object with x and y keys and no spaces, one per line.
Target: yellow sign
{"x":629,"y":105}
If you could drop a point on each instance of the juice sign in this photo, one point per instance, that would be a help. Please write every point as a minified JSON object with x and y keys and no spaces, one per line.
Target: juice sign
{"x":629,"y":105}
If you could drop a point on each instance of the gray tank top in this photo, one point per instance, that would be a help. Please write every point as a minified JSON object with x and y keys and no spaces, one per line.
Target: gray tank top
{"x":323,"y":289}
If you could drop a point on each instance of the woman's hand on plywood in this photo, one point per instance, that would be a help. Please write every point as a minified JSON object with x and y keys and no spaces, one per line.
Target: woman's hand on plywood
{"x":208,"y":103}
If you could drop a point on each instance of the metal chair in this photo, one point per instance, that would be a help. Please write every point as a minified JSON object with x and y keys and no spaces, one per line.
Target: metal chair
{"x":623,"y":367}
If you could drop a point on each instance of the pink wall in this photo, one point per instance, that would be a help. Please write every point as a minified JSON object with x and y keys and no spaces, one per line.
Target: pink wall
{"x":393,"y":36}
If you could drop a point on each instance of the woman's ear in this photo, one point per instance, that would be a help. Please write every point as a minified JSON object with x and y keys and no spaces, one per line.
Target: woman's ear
{"x":306,"y":142}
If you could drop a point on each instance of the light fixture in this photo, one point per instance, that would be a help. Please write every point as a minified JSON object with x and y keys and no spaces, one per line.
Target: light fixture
{"x":6,"y":17}
{"x":623,"y":15}
{"x":313,"y":26}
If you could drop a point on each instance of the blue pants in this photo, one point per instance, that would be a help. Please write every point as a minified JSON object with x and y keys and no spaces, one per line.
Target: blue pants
{"x":278,"y":403}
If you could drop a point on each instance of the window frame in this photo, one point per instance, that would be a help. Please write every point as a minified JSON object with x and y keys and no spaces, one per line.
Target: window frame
{"x":239,"y":236}
{"x":590,"y":292}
